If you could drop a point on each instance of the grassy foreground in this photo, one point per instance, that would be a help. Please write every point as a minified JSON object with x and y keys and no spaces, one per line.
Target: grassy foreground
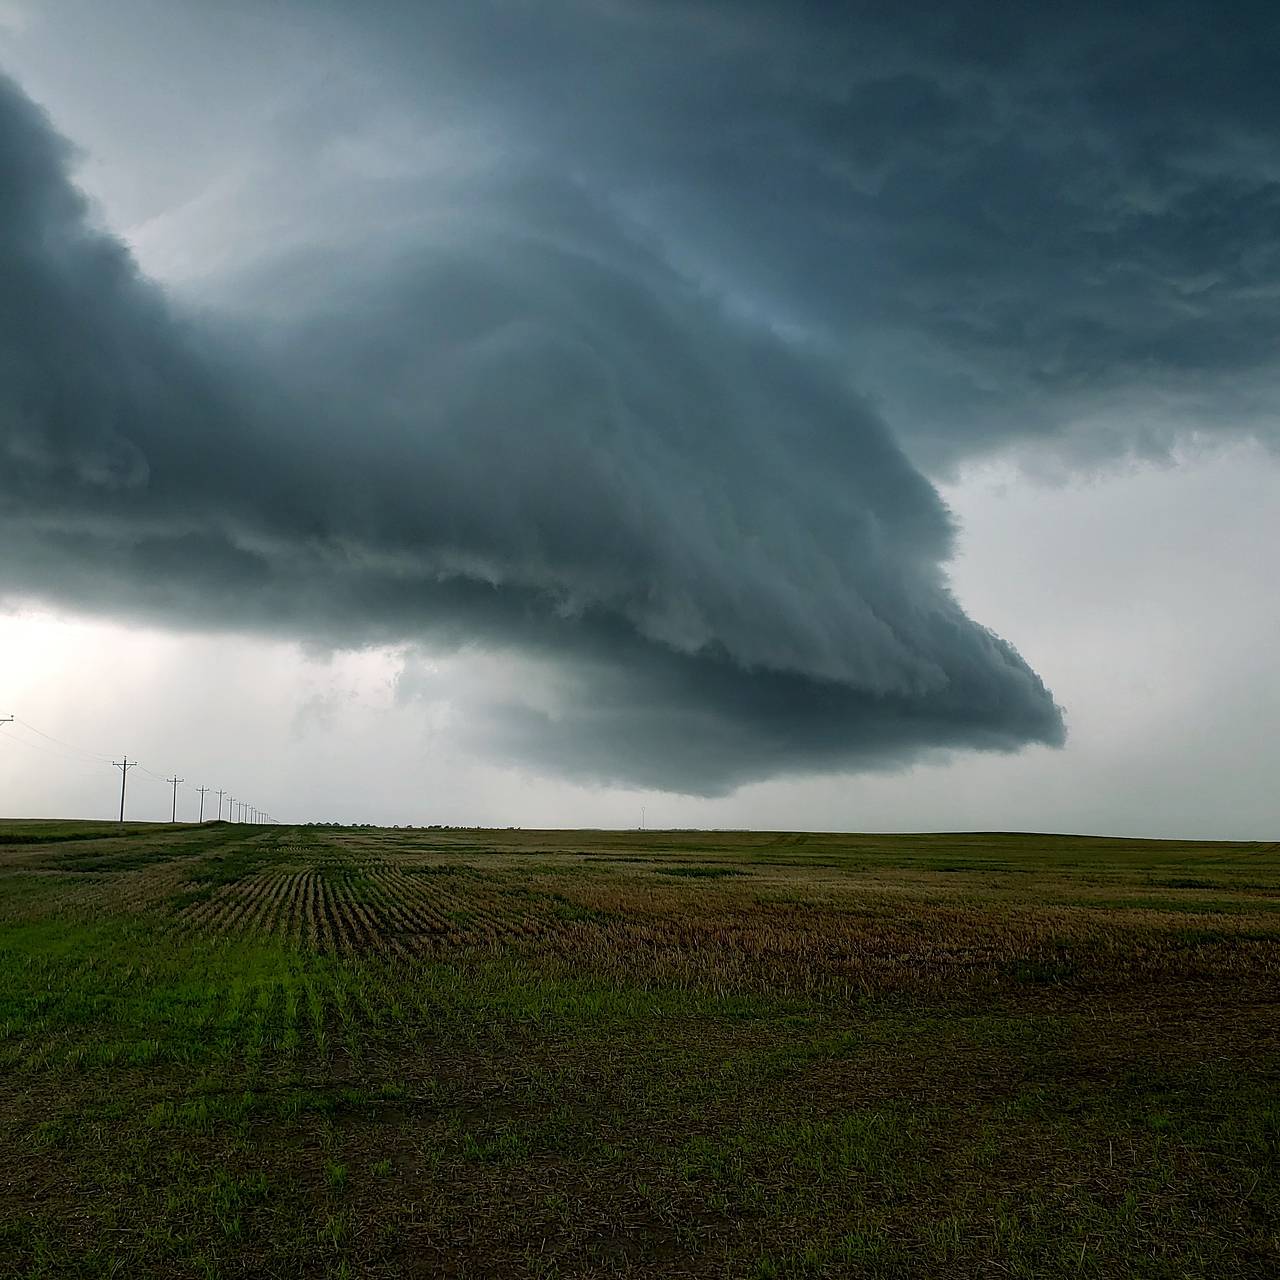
{"x":239,"y":1051}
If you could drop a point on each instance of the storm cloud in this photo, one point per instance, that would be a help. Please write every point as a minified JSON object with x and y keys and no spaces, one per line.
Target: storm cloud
{"x":515,"y":424}
{"x":1015,"y":226}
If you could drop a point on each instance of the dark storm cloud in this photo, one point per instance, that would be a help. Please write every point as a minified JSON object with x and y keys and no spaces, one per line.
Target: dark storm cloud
{"x":1052,"y":223}
{"x":519,"y":428}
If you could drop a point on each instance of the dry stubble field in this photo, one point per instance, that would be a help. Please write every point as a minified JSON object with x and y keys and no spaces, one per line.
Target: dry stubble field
{"x":244,"y":1051}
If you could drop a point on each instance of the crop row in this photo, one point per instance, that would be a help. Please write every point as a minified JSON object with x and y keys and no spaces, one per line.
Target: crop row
{"x":379,"y":909}
{"x":86,"y":1018}
{"x":722,"y":936}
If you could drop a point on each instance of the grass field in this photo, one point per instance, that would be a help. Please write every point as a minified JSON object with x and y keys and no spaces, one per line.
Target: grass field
{"x":240,"y":1051}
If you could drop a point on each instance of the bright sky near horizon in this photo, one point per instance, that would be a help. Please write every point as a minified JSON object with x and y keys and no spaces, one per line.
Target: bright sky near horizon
{"x":537,"y":416}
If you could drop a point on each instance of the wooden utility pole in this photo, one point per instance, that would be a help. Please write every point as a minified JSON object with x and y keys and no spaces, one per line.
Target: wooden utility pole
{"x":202,"y":791}
{"x":175,"y":780}
{"x":124,"y":765}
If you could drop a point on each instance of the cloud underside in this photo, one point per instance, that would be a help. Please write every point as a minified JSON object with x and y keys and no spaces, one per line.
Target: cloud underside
{"x":520,"y":430}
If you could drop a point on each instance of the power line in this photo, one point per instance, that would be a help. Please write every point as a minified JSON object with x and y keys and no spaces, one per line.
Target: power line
{"x":56,"y":751}
{"x":69,"y":762}
{"x":80,"y":758}
{"x":70,"y":746}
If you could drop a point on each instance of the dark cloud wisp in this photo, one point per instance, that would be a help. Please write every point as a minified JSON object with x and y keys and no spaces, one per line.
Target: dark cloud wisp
{"x":521,"y":429}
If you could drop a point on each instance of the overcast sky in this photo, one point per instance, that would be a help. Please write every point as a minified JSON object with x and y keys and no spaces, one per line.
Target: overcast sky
{"x":757,"y":415}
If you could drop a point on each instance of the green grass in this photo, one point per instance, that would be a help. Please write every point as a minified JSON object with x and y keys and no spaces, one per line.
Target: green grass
{"x":364,"y":1053}
{"x":699,"y":873}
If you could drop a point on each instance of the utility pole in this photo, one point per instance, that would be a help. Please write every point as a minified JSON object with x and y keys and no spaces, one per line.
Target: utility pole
{"x":6,"y":719}
{"x":175,"y":780}
{"x":124,"y":765}
{"x":202,"y":790}
{"x":221,"y":793}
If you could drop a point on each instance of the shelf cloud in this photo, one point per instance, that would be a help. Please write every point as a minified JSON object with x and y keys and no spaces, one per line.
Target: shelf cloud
{"x":517,"y":425}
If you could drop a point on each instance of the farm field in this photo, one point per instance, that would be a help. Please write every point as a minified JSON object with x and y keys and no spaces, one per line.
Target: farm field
{"x":272,"y":1051}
